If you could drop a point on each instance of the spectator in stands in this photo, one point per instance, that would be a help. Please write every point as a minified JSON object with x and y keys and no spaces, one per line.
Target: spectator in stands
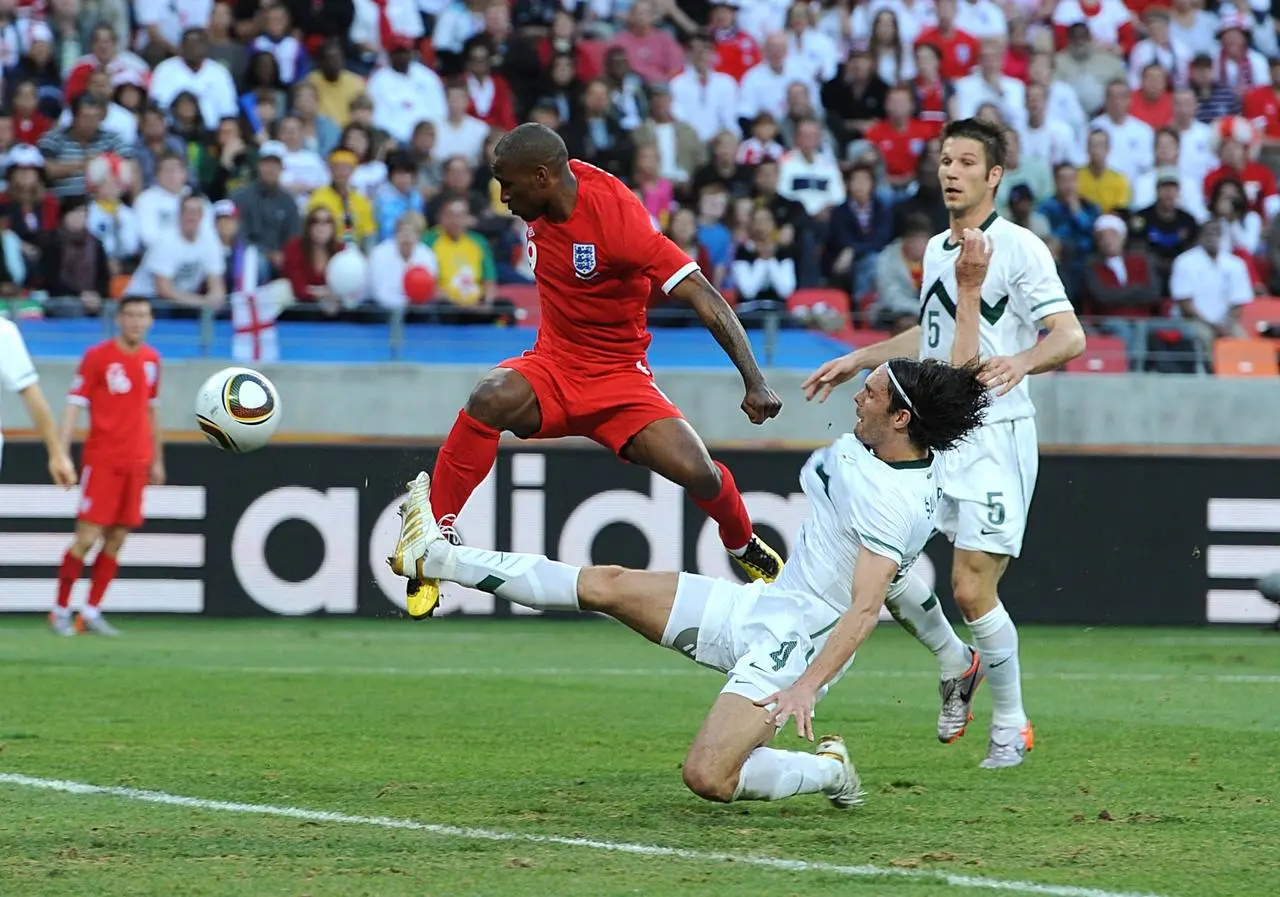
{"x":458,"y":182}
{"x":460,"y":134}
{"x":789,"y":216}
{"x":1241,"y":227}
{"x":352,"y":211}
{"x":1159,"y":48}
{"x":397,"y":196}
{"x":764,"y":142}
{"x":263,"y":86}
{"x":597,"y":136}
{"x":268,"y":215}
{"x":304,"y":169}
{"x":276,"y":39}
{"x":318,"y":133}
{"x":680,"y":152}
{"x":490,"y":98}
{"x":1104,"y":187}
{"x":893,"y":61}
{"x":1165,"y":228}
{"x":1238,"y":66}
{"x":930,"y":92}
{"x":13,"y":265}
{"x":224,"y":47}
{"x":626,"y":90}
{"x":361,"y":113}
{"x":1153,"y":103}
{"x":652,"y":53}
{"x":926,"y":198}
{"x":1237,"y":136}
{"x":1071,"y":218}
{"x":193,"y":71}
{"x":1196,"y":142}
{"x":371,"y":172}
{"x":1189,"y":195}
{"x":981,"y":18}
{"x":1209,"y":286}
{"x":468,"y":283}
{"x":115,"y":224}
{"x":704,"y":99}
{"x":335,"y":86}
{"x":561,"y":88}
{"x":814,"y":48}
{"x":989,"y":84}
{"x":187,"y":124}
{"x":1022,"y":212}
{"x":154,"y":141}
{"x":900,"y":140}
{"x":1109,"y":23}
{"x":800,"y":108}
{"x":67,"y":150}
{"x":29,"y":123}
{"x":764,"y":272}
{"x":1062,"y":104}
{"x":233,"y":161}
{"x":184,"y":268}
{"x":306,"y":257}
{"x":714,"y":235}
{"x":683,"y":231}
{"x":39,"y":63}
{"x":246,"y":267}
{"x":1214,"y":98}
{"x":1045,"y":138}
{"x":860,"y":229}
{"x":159,"y":207}
{"x":810,"y":177}
{"x":404,"y":92}
{"x":764,"y":87}
{"x":74,"y":268}
{"x":1020,"y":169}
{"x":736,"y":50}
{"x":855,"y":100}
{"x":104,"y":52}
{"x":33,"y":210}
{"x":898,"y":273}
{"x":116,"y":119}
{"x":1262,"y":104}
{"x":1087,"y":68}
{"x":958,"y":49}
{"x":391,"y":258}
{"x":1120,"y":283}
{"x":656,"y":192}
{"x":1131,"y":142}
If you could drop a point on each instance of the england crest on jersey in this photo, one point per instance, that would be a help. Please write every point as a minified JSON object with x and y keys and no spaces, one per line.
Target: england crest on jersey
{"x":584,"y":260}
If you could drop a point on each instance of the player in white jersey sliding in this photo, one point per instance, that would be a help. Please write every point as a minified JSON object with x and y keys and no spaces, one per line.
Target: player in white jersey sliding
{"x":988,"y":300}
{"x":872,"y":498}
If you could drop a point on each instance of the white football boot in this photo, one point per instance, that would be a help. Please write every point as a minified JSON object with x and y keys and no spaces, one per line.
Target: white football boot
{"x":850,"y":793}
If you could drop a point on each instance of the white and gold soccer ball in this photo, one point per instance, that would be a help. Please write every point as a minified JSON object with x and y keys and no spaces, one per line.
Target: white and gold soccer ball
{"x":238,"y":409}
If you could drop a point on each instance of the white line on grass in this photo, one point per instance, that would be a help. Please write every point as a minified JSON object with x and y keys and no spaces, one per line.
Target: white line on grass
{"x":482,"y":834}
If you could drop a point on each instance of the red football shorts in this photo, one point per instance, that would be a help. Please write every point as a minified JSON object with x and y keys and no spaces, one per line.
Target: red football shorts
{"x":609,"y":405}
{"x":112,"y":496}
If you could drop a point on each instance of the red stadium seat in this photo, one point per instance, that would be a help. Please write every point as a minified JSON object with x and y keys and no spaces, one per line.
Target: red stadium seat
{"x":1261,"y":315}
{"x":1245,"y":358}
{"x":525,"y":298}
{"x":837,"y":300}
{"x":1102,"y":355}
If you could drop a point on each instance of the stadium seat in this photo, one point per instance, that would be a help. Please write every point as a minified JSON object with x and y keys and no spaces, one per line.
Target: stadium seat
{"x":1261,"y":316}
{"x":837,"y":301}
{"x":524,"y":296}
{"x":1245,"y":358}
{"x":1102,"y":355}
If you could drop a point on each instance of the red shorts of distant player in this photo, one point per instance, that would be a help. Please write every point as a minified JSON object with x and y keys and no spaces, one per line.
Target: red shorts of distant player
{"x":112,"y":496}
{"x":609,"y":405}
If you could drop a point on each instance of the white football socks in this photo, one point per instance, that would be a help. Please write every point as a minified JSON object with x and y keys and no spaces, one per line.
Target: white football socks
{"x":919,"y":612}
{"x":528,"y":579}
{"x":771,"y":774}
{"x":997,"y":638}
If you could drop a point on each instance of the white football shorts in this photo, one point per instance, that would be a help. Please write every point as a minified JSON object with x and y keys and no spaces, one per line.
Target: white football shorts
{"x":990,"y":479}
{"x":761,"y":636}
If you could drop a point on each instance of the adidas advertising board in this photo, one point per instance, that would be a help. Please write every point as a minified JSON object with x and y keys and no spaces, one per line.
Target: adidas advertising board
{"x":304,"y":529}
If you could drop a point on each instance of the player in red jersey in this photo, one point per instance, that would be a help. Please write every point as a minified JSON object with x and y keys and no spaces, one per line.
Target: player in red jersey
{"x":595,"y":254}
{"x":119,"y":382}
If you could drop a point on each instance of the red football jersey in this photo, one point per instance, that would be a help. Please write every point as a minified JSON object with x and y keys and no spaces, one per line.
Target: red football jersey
{"x":959,"y":51}
{"x":595,"y":272}
{"x":118,"y":388}
{"x":737,"y":55}
{"x":901,"y":150}
{"x":1262,"y":107}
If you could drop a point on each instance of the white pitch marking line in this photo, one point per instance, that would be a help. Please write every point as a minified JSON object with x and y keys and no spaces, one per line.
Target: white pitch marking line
{"x":482,"y":834}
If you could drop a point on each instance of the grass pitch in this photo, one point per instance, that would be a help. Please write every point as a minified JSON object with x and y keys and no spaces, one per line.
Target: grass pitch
{"x":1156,"y":769}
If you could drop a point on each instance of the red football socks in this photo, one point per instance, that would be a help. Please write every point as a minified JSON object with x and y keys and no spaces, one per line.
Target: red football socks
{"x":105,"y":568}
{"x":464,"y":461}
{"x":728,"y":510}
{"x":68,"y":573}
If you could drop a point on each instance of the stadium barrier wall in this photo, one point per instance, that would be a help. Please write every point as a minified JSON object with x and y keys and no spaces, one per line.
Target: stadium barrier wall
{"x":304,"y":529}
{"x":420,"y":402}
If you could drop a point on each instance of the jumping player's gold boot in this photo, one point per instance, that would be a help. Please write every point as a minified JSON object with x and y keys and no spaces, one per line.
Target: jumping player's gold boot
{"x":417,"y":530}
{"x":759,"y":561}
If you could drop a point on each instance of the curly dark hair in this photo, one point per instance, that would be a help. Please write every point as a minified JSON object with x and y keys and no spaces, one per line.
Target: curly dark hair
{"x":990,"y":136}
{"x":947,"y":402}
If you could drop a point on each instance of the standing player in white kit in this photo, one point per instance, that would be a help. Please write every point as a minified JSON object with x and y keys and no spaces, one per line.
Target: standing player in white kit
{"x":990,"y":477}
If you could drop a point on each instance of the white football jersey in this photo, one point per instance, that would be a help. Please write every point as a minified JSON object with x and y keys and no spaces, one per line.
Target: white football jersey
{"x":16,"y":370}
{"x":857,"y":501}
{"x":1021,"y":289}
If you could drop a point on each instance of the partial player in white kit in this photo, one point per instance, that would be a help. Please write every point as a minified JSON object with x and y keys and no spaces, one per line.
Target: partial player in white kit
{"x":18,"y":374}
{"x":872,"y":497}
{"x":989,"y":287}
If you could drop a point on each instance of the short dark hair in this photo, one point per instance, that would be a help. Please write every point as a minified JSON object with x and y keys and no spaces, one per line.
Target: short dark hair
{"x":126,"y":301}
{"x":170,"y":156}
{"x":530,"y":145}
{"x":189,"y":198}
{"x":917,"y":223}
{"x":990,"y":136}
{"x":946,"y":402}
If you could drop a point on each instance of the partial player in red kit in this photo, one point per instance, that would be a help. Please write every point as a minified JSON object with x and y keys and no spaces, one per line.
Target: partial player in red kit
{"x":119,"y":382}
{"x":595,"y":254}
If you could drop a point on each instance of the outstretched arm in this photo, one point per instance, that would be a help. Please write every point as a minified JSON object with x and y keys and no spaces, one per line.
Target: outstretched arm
{"x":761,"y":402}
{"x":821,"y":382}
{"x":871,"y":577}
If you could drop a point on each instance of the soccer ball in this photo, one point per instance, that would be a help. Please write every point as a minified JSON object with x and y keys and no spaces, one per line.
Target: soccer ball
{"x":238,"y":409}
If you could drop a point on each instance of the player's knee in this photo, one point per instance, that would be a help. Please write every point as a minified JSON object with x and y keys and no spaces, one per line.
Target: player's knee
{"x":703,"y":779}
{"x":113,"y":540}
{"x":974,"y":590}
{"x":499,"y":399}
{"x":703,"y":480}
{"x":600,"y":588}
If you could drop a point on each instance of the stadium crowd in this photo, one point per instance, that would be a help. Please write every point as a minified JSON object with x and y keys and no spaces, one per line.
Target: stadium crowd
{"x":785,"y":145}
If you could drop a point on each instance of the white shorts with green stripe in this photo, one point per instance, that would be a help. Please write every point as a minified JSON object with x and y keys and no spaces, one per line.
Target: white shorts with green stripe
{"x":990,"y":479}
{"x":763,"y":637}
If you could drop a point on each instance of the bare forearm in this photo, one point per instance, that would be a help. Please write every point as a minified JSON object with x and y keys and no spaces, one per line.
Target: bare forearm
{"x":42,"y":417}
{"x":157,"y":437}
{"x":853,"y":629}
{"x":70,"y":415}
{"x":905,"y":345}
{"x":722,"y":322}
{"x":967,"y":345}
{"x":1065,"y":341}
